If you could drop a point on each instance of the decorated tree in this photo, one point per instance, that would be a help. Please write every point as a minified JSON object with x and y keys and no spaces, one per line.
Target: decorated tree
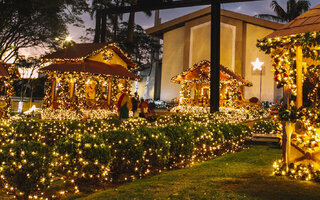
{"x":29,"y":23}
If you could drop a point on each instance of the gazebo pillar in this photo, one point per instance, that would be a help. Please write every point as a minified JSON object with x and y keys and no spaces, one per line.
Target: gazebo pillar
{"x":299,"y":83}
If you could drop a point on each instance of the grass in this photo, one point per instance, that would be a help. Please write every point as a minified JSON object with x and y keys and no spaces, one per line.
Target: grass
{"x":244,"y":175}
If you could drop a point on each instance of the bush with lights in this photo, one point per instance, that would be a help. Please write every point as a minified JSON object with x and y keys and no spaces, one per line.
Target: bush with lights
{"x":82,"y":159}
{"x":156,"y":146}
{"x":95,"y":151}
{"x":181,"y":144}
{"x":128,"y":159}
{"x":25,"y":168}
{"x":264,"y":127}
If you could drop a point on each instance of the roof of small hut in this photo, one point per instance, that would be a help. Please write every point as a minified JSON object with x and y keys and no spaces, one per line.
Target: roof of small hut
{"x":78,"y":52}
{"x":3,"y":71}
{"x":203,"y":68}
{"x":307,"y":22}
{"x":93,"y":67}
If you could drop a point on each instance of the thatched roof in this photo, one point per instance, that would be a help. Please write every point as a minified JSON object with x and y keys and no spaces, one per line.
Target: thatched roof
{"x":93,"y":67}
{"x":307,"y":22}
{"x":201,"y":71}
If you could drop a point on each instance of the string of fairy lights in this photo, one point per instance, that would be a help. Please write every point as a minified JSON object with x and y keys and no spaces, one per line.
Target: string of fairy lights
{"x":196,"y":91}
{"x":5,"y":101}
{"x":283,"y":53}
{"x":49,"y":132}
{"x":106,"y":54}
{"x":67,"y":95}
{"x":306,"y":135}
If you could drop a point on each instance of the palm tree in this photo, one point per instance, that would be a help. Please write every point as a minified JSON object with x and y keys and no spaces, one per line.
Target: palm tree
{"x":101,"y":30}
{"x":294,"y":9}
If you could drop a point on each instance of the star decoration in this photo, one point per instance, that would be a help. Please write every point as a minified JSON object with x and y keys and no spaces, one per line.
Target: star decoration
{"x":257,"y":65}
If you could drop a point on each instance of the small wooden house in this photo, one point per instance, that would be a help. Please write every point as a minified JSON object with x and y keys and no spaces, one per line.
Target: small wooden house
{"x":85,"y":79}
{"x":195,"y":86}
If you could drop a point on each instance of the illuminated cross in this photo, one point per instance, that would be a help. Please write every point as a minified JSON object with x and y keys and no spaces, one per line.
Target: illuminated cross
{"x":257,"y":65}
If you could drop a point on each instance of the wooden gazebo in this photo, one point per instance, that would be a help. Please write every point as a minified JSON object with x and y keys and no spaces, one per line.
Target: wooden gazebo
{"x":295,"y":51}
{"x":195,"y":86}
{"x":86,"y":79}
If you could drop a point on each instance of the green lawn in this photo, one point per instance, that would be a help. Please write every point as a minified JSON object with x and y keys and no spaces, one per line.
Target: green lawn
{"x":243,"y":175}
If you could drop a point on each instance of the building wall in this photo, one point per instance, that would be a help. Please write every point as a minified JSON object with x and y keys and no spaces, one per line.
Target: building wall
{"x":200,"y":44}
{"x":190,"y":44}
{"x":172,"y":62}
{"x":268,"y":88}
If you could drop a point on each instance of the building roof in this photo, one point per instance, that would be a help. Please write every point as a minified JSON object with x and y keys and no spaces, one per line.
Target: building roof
{"x":180,"y":21}
{"x":93,"y":67}
{"x":307,"y":22}
{"x":83,"y":51}
{"x":3,"y":71}
{"x":201,"y":72}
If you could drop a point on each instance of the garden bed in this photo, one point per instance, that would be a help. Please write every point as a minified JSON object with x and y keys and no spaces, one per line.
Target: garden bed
{"x":75,"y":154}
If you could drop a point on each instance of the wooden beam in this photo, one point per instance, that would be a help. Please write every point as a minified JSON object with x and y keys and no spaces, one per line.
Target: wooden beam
{"x":166,"y":5}
{"x":299,"y":82}
{"x":215,"y":56}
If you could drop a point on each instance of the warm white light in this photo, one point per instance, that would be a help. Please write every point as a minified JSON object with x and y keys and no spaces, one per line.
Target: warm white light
{"x":28,"y":73}
{"x":257,"y":65}
{"x":31,"y":110}
{"x":68,"y":39}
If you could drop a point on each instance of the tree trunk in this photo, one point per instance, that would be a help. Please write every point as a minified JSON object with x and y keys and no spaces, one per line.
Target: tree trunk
{"x":131,"y":30}
{"x":103,"y":27}
{"x":131,"y":23}
{"x":115,"y":27}
{"x":98,"y":27}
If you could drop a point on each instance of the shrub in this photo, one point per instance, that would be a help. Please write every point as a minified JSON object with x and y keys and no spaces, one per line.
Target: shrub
{"x":264,"y":127}
{"x":26,"y":130}
{"x":82,"y":159}
{"x":52,"y":131}
{"x":113,"y":121}
{"x":25,"y":167}
{"x":206,"y":139}
{"x":156,"y":147}
{"x":181,"y":144}
{"x":226,"y":130}
{"x":217,"y":133}
{"x":127,"y":152}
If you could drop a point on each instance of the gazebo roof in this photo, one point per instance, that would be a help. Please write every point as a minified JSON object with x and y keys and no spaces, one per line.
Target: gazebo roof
{"x":307,"y":22}
{"x":201,"y":71}
{"x":90,"y":66}
{"x":79,"y":52}
{"x":3,"y":71}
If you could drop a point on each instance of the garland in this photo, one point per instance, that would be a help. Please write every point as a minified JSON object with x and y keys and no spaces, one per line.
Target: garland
{"x":283,"y":53}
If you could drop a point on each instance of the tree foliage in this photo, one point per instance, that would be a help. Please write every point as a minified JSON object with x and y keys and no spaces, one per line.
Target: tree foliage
{"x":294,"y":9}
{"x":29,"y":23}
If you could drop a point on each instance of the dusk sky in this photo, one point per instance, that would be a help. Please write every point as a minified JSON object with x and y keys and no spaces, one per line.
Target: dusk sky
{"x":248,"y":8}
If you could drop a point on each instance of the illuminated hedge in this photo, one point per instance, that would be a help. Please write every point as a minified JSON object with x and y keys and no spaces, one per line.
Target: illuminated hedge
{"x":25,"y":168}
{"x":85,"y":151}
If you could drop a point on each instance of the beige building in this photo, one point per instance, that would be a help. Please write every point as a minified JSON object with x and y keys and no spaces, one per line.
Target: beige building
{"x":186,"y":41}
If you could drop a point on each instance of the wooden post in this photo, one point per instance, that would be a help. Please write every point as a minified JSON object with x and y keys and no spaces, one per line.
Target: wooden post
{"x":215,"y":56}
{"x":286,"y":97}
{"x":299,"y":83}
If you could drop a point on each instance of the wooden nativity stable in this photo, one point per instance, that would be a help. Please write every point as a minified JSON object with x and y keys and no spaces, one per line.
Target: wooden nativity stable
{"x":195,"y":87}
{"x":84,"y":81}
{"x":295,"y":51}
